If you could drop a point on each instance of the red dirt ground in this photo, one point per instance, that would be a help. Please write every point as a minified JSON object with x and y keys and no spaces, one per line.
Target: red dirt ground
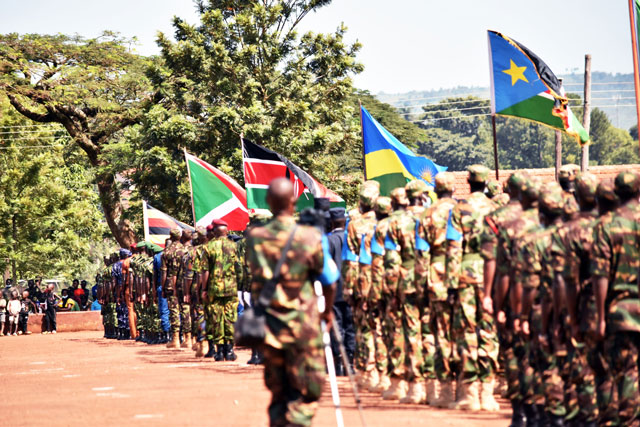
{"x":82,"y":379}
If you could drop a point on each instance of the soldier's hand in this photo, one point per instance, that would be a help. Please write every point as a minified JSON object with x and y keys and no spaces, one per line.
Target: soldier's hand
{"x":516,"y":325}
{"x":501,"y":318}
{"x":327,"y":316}
{"x":525,"y":328}
{"x":601,"y":328}
{"x":487,"y":304}
{"x":204,"y":296}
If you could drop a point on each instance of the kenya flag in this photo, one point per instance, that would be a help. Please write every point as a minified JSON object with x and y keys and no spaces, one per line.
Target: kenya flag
{"x":261,"y":165}
{"x":215,"y":195}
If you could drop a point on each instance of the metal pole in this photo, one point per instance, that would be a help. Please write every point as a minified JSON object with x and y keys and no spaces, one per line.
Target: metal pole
{"x":558,"y":147}
{"x":586,"y":111}
{"x":634,"y":45}
{"x":495,"y":145}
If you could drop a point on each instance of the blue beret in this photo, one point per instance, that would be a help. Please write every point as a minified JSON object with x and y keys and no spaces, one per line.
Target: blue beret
{"x":337,"y":213}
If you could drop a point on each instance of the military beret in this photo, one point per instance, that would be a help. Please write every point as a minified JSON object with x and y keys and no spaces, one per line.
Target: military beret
{"x":141,"y":244}
{"x":399,"y":195}
{"x":209,"y":228}
{"x":155,"y":248}
{"x":586,"y":186}
{"x":219,"y":223}
{"x":383,"y":205}
{"x":124,"y":253}
{"x":493,"y":188}
{"x":415,"y":188}
{"x":626,"y":182}
{"x":517,"y":180}
{"x":551,"y":197}
{"x":531,"y":186}
{"x":478,"y":173}
{"x":568,"y":171}
{"x":606,"y":191}
{"x":445,"y":181}
{"x":321,"y":203}
{"x":175,"y":233}
{"x":201,"y":231}
{"x":337,"y":213}
{"x":369,"y":193}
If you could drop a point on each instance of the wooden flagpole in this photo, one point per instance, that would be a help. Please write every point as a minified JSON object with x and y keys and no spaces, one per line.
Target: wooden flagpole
{"x":634,"y":46}
{"x":495,"y":145}
{"x":364,"y":164}
{"x":193,"y":208}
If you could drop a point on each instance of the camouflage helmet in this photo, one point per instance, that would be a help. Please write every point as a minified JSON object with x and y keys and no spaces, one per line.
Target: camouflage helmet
{"x":415,"y":188}
{"x":626,"y":183}
{"x":175,"y":233}
{"x":201,"y":232}
{"x":517,"y":180}
{"x":551,"y":198}
{"x":399,"y":196}
{"x":478,"y":173}
{"x":586,"y":186}
{"x":445,"y":182}
{"x":568,"y":172}
{"x":383,"y":205}
{"x":369,"y":192}
{"x":606,"y":190}
{"x":493,"y":188}
{"x":531,"y":186}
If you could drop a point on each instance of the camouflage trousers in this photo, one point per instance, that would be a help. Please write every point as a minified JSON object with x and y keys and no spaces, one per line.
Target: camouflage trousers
{"x":198,"y":322}
{"x":580,"y":389}
{"x":440,"y":325}
{"x":412,"y":332}
{"x":395,"y":341}
{"x":178,"y":315}
{"x":365,"y":342}
{"x":140,"y":316}
{"x":295,"y":377}
{"x":620,"y":400}
{"x":428,"y":349}
{"x":377,"y":323}
{"x":122,"y":313}
{"x":513,"y":350}
{"x":224,"y":311}
{"x":110,"y":317}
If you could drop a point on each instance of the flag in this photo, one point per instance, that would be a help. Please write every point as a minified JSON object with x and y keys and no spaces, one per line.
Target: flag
{"x":261,"y":165}
{"x":215,"y":195}
{"x":522,"y":85}
{"x":158,"y":224}
{"x":388,"y":161}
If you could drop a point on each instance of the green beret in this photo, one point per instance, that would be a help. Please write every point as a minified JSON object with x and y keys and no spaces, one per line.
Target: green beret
{"x":551,"y":197}
{"x":606,"y":190}
{"x":493,"y":188}
{"x":568,"y":171}
{"x":399,"y":195}
{"x":415,"y":188}
{"x":586,"y":186}
{"x":383,"y":205}
{"x":627,"y":182}
{"x":155,"y":248}
{"x":445,"y":182}
{"x":142,"y":244}
{"x":369,"y":192}
{"x":478,"y":173}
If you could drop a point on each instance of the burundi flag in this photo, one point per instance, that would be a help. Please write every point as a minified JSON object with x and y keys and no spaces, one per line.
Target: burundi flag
{"x":522,"y":85}
{"x":215,"y":195}
{"x":261,"y":165}
{"x":389,"y":162}
{"x":158,"y":224}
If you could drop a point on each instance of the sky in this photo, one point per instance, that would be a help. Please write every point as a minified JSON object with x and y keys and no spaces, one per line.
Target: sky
{"x":407,"y":44}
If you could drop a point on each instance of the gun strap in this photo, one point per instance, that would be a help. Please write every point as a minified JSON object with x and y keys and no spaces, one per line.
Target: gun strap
{"x":270,"y":286}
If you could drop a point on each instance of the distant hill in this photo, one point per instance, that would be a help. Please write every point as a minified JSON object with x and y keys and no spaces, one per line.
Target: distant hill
{"x":612,"y":93}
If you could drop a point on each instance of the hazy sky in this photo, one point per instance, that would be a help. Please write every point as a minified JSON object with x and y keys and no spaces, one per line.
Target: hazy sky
{"x":407,"y":44}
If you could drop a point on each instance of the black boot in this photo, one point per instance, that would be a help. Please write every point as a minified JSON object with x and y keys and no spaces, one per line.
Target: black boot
{"x":229,"y":355}
{"x":140,"y":336}
{"x":554,"y":420}
{"x":254,"y":357}
{"x":531,"y":412}
{"x":219,"y":356}
{"x":259,"y":358}
{"x":543,"y":416}
{"x":212,"y":350}
{"x":517,"y":415}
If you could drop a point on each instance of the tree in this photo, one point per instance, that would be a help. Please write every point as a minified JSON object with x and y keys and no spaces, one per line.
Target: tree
{"x":610,"y":145}
{"x":95,"y":88}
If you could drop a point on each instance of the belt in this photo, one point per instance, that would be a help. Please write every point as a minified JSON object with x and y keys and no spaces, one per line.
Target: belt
{"x":472,"y":256}
{"x":437,"y":258}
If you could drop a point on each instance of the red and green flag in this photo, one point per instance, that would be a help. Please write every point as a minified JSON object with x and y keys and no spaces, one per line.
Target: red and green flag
{"x":262,"y":165}
{"x":215,"y":195}
{"x":158,"y":225}
{"x":522,"y":85}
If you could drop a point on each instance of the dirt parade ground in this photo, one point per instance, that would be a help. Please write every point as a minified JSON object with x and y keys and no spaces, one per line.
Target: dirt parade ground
{"x":82,"y":379}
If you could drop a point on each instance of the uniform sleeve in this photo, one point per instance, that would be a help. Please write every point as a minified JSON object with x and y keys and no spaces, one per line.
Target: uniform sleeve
{"x":529,"y":264}
{"x":237,"y":264}
{"x":601,"y":265}
{"x":454,"y":249}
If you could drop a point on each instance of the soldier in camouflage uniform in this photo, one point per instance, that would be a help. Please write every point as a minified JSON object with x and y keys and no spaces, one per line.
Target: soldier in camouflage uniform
{"x":474,"y":330}
{"x":392,"y":334}
{"x":198,"y":323}
{"x":566,"y":178}
{"x":222,"y":271}
{"x":496,"y":194}
{"x":294,"y":363}
{"x":376,"y":302}
{"x":433,"y":225}
{"x":359,"y":233}
{"x":615,"y":272}
{"x":185,"y":254}
{"x":171,"y":257}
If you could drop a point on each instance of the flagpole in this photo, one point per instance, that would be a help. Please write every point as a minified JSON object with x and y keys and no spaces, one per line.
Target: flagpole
{"x":193,"y":209}
{"x":634,"y":46}
{"x":493,"y":110}
{"x":145,"y":220}
{"x":364,"y":164}
{"x":495,"y":145}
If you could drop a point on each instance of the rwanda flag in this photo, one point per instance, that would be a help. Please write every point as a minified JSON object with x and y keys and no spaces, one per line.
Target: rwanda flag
{"x":389,"y":162}
{"x":522,"y":85}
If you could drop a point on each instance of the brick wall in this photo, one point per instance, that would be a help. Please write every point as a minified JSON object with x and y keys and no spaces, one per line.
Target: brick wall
{"x":546,"y":175}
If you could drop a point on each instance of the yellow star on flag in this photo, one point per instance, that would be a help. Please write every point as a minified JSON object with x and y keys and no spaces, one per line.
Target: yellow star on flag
{"x":516,"y":73}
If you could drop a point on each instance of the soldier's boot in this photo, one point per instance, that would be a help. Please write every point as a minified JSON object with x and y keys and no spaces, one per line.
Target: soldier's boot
{"x":174,"y":342}
{"x":219,"y":355}
{"x":127,"y":334}
{"x":212,"y":350}
{"x":187,"y":341}
{"x":260,"y":358}
{"x":531,"y":413}
{"x":502,"y":386}
{"x":415,"y":393}
{"x":543,"y":416}
{"x":372,"y":379}
{"x":194,"y":342}
{"x":254,"y":357}
{"x":140,"y":336}
{"x":446,"y":397}
{"x":487,"y":401}
{"x":397,"y":390}
{"x":517,"y":414}
{"x":361,"y":377}
{"x":554,"y":420}
{"x":470,"y":400}
{"x":200,"y":349}
{"x":229,"y":354}
{"x":433,"y":391}
{"x":383,"y":384}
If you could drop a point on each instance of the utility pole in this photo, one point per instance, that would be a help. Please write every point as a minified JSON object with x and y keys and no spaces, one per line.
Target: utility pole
{"x":558,"y":147}
{"x":586,"y":110}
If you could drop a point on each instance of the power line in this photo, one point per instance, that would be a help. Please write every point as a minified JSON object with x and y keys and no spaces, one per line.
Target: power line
{"x":31,"y":126}
{"x":449,"y":118}
{"x":25,"y":147}
{"x":31,"y":131}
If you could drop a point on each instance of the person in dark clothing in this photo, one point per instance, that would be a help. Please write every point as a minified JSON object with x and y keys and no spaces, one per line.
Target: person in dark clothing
{"x":26,"y":306}
{"x":343,"y":316}
{"x":51,"y":300}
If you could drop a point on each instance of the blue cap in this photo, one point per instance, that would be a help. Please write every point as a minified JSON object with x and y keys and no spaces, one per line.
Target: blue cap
{"x":337,"y":213}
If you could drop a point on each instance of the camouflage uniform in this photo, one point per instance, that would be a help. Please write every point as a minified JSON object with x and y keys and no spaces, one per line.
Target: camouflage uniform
{"x":494,"y":192}
{"x":616,"y":250}
{"x":198,"y":324}
{"x":225,"y":272}
{"x":293,"y":357}
{"x":171,"y":257}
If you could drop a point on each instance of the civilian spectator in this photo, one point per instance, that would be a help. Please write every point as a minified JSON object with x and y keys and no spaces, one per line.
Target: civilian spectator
{"x":94,"y":288}
{"x":13,"y":308}
{"x":95,"y":305}
{"x":50,"y":302}
{"x":26,"y":306}
{"x":85,"y":295}
{"x":8,"y":288}
{"x":3,"y":313}
{"x":67,"y":303}
{"x":77,"y":292}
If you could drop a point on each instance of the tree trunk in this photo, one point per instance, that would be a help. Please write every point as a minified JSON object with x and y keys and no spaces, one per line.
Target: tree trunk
{"x":111,"y":202}
{"x":14,"y":248}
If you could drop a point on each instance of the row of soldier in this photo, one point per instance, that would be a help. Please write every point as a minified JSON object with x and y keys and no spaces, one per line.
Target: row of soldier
{"x":537,"y":286}
{"x":186,"y":295}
